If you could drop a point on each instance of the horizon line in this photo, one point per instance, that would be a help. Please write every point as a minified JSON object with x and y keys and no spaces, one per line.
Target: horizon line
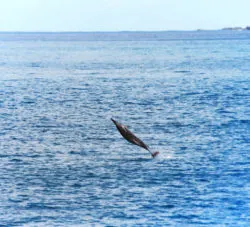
{"x":114,"y":31}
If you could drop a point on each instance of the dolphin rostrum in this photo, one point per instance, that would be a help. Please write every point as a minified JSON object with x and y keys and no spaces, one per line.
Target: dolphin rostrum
{"x":130,"y":137}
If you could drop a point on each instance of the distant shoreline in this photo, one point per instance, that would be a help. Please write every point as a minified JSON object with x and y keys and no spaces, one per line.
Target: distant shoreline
{"x":247,"y":28}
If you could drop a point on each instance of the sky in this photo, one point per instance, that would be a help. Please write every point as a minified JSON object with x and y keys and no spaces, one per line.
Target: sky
{"x":122,"y":15}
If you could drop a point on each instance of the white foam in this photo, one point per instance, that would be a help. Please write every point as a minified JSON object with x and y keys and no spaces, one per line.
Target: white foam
{"x":166,"y":154}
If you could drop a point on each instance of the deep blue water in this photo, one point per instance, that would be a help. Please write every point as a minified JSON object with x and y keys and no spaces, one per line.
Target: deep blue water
{"x":185,"y":94}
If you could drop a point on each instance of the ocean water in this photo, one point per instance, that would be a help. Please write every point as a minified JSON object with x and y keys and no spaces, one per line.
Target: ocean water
{"x":185,"y":94}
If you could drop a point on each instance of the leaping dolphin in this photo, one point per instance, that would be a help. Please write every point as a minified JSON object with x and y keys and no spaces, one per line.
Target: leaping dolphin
{"x":130,"y":137}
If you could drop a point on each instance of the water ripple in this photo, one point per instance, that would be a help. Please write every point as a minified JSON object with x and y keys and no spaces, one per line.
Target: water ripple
{"x":64,"y":164}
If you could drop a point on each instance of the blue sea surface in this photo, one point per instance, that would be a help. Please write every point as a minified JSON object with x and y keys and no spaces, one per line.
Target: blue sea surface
{"x":185,"y":94}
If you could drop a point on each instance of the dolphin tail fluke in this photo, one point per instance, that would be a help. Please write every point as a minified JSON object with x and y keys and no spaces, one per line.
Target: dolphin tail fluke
{"x":154,"y":154}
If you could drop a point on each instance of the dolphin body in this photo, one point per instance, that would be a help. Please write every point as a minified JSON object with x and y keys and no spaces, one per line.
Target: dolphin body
{"x":130,"y":137}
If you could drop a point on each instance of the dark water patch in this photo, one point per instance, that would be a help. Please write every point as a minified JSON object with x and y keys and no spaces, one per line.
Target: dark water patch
{"x":94,"y":73}
{"x":182,"y":217}
{"x":28,"y":101}
{"x":46,"y":126}
{"x":79,"y":88}
{"x":167,"y":206}
{"x":40,"y":206}
{"x":182,"y":71}
{"x":192,"y":93}
{"x":245,"y":121}
{"x":16,"y":160}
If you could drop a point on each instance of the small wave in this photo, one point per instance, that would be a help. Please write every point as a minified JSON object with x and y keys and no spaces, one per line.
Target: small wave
{"x":35,"y":65}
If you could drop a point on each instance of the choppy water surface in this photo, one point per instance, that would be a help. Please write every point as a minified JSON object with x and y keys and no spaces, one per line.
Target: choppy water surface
{"x":64,"y":164}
